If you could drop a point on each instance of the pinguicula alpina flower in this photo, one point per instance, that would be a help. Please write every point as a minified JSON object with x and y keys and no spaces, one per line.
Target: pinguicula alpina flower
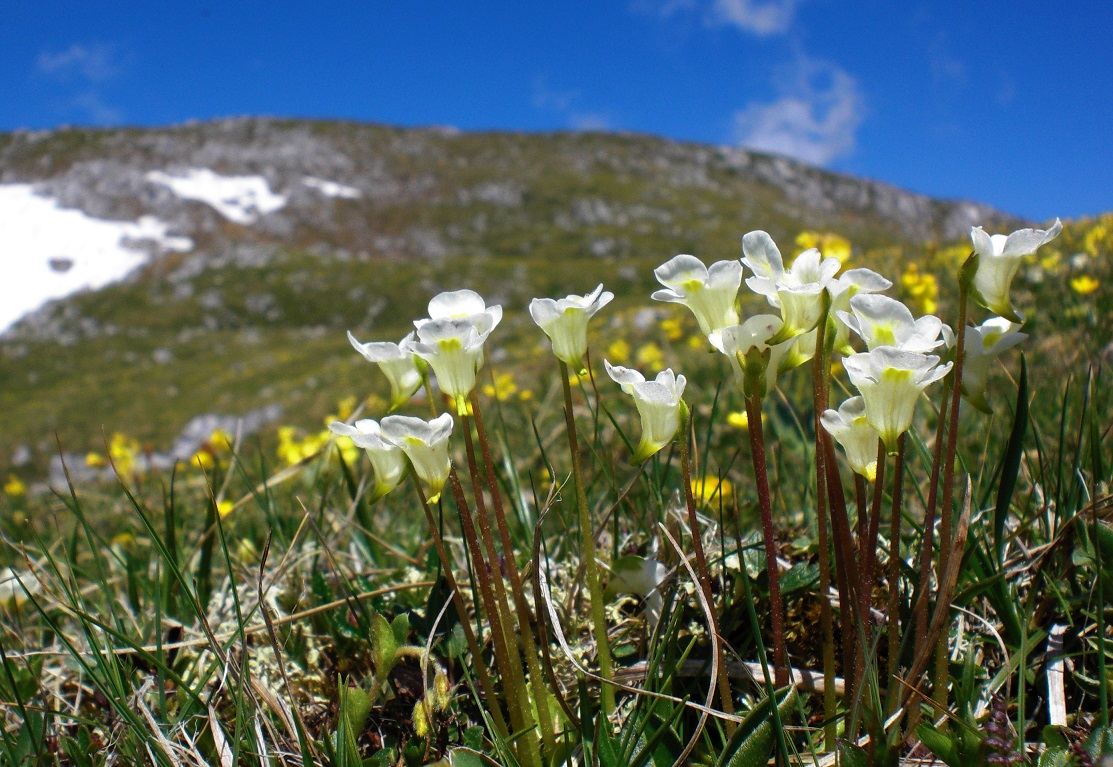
{"x":463,"y":305}
{"x":998,"y":261}
{"x":984,"y":343}
{"x":843,"y":288}
{"x":891,"y":382}
{"x":710,"y":292}
{"x":454,"y":349}
{"x":425,"y":443}
{"x":850,"y":428}
{"x":565,"y":322}
{"x":387,"y":459}
{"x":798,"y":291}
{"x":747,"y":347}
{"x":659,"y":404}
{"x":398,"y":363}
{"x":884,"y":321}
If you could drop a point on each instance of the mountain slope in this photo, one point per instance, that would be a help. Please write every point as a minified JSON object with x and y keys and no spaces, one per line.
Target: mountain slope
{"x":281,"y":235}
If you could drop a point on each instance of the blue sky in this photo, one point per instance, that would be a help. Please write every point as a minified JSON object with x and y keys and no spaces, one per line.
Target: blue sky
{"x":1010,"y":103}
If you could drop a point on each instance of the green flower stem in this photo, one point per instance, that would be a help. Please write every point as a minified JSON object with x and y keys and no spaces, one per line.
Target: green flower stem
{"x":761,"y":477}
{"x":820,"y":397}
{"x":725,"y":695}
{"x":462,"y":611}
{"x":518,"y":698}
{"x":893,"y":612}
{"x":521,"y":606}
{"x":942,"y":670}
{"x":587,"y":543}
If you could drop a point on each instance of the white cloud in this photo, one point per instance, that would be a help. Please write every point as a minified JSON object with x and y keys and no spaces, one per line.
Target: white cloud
{"x":759,"y":17}
{"x":93,"y":63}
{"x":81,"y":72}
{"x":563,"y":102}
{"x":815,"y":119}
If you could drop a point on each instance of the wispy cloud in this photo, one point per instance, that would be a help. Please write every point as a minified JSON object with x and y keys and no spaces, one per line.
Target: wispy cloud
{"x":759,"y":17}
{"x":564,"y":103}
{"x":93,"y":63}
{"x":81,"y":72}
{"x":815,"y":119}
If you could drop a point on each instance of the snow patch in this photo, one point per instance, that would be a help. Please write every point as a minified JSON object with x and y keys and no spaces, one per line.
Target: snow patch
{"x":240,"y":199}
{"x":332,"y":188}
{"x":48,"y":252}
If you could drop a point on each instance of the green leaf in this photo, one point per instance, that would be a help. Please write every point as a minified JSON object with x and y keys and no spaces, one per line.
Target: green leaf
{"x":464,"y":757}
{"x":800,"y":576}
{"x":753,"y":741}
{"x":401,"y":628}
{"x":384,"y":648}
{"x":851,"y":755}
{"x":347,"y":750}
{"x":940,"y":744}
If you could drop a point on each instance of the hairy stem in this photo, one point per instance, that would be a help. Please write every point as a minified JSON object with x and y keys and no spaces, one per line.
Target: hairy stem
{"x":761,"y":477}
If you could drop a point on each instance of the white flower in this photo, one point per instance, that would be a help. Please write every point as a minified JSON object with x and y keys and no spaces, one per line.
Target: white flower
{"x":397,"y":363}
{"x":425,"y":443}
{"x":884,"y":321}
{"x":659,"y":403}
{"x":851,"y":429}
{"x":463,"y":305}
{"x":711,"y":293}
{"x":798,"y":291}
{"x":891,"y":382}
{"x":565,"y":322}
{"x":747,"y":347}
{"x":998,"y":261}
{"x":843,"y":288}
{"x":982,"y":345}
{"x":454,"y":349}
{"x":387,"y":459}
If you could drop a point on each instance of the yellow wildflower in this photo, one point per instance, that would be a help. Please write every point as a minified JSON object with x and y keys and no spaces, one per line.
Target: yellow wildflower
{"x":619,"y":352}
{"x":124,"y":451}
{"x":739,"y":420}
{"x":1095,"y":238}
{"x":1084,"y":284}
{"x":708,"y":490}
{"x":503,"y":388}
{"x":920,"y":290}
{"x":224,"y":507}
{"x":830,"y":244}
{"x":14,"y":486}
{"x":673,"y":328}
{"x":344,"y":409}
{"x":698,"y":343}
{"x":650,"y":356}
{"x":203,"y":460}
